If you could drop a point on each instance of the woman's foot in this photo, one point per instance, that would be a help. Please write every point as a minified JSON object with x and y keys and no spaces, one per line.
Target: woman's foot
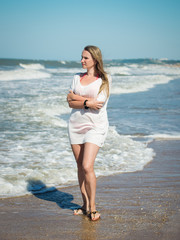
{"x":95,"y":215}
{"x":80,"y":211}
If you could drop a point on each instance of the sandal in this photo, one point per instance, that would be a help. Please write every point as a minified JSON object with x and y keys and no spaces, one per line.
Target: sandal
{"x":93,"y":217}
{"x":80,"y":211}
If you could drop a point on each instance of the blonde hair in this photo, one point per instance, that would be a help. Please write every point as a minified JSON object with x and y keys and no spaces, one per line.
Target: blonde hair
{"x":97,"y":57}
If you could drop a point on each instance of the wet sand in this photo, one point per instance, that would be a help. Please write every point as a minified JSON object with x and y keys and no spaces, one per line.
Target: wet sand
{"x":134,"y":206}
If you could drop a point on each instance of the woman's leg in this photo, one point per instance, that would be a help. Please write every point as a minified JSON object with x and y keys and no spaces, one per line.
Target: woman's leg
{"x":78,"y":151}
{"x":89,"y":155}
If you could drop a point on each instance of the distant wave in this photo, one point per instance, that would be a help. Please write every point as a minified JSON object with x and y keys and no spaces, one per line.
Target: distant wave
{"x":165,"y":137}
{"x":23,"y":74}
{"x":138,"y":83}
{"x":63,"y":62}
{"x":32,"y":66}
{"x":135,"y":78}
{"x":77,"y":64}
{"x":156,"y":137}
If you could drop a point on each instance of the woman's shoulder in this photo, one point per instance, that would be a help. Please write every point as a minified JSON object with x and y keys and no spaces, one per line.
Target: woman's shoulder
{"x":79,"y":74}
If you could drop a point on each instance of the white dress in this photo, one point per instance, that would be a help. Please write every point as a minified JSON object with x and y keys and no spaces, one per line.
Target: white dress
{"x":88,"y":125}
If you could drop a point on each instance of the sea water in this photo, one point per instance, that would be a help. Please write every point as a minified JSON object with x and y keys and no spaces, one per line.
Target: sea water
{"x":34,"y":145}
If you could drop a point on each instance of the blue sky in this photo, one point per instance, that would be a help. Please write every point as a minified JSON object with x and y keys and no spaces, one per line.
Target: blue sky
{"x":59,"y":29}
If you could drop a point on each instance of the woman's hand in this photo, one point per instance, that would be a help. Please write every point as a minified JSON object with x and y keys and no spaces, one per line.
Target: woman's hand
{"x":94,"y":104}
{"x":70,"y":96}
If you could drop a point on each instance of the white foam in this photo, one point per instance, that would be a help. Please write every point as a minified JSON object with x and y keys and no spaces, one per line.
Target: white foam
{"x":35,"y":66}
{"x":163,"y":59}
{"x":164,"y":137}
{"x":132,"y":84}
{"x":53,"y":115}
{"x":121,"y":70}
{"x":23,"y":74}
{"x":55,"y":110}
{"x":63,"y":62}
{"x":135,"y":69}
{"x":126,"y":155}
{"x":140,"y":78}
{"x":49,"y":159}
{"x":66,"y":70}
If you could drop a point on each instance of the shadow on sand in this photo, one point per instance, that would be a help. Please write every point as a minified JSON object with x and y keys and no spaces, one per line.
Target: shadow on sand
{"x":62,"y":199}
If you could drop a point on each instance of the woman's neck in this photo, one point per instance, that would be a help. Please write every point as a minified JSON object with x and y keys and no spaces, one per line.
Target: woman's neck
{"x":91,"y":72}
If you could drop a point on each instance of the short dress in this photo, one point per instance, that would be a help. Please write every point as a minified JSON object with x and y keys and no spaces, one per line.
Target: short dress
{"x":89,"y":125}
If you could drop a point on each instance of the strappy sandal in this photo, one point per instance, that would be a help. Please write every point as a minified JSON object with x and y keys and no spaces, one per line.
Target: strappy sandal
{"x":94,"y":213}
{"x":80,"y":211}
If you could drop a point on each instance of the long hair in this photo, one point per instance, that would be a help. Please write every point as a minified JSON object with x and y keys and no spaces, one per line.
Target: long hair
{"x":97,"y":57}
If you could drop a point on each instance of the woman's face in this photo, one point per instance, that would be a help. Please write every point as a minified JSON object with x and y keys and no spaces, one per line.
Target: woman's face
{"x":87,"y":60}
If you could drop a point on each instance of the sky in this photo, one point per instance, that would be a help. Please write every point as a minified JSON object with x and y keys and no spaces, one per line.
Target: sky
{"x":60,"y":29}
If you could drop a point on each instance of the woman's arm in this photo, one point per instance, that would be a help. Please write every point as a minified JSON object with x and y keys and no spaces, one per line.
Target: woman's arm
{"x":74,"y":97}
{"x":94,"y":104}
{"x":77,"y":102}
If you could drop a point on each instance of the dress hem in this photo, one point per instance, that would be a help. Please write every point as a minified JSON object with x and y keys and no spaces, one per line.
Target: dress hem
{"x":99,"y":145}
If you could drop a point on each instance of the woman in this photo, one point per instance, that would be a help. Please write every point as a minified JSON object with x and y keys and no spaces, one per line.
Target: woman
{"x":88,"y":123}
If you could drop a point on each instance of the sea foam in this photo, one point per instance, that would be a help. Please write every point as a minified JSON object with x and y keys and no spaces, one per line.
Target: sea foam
{"x":132,"y":84}
{"x":23,"y":74}
{"x":165,"y":137}
{"x":136,"y":78}
{"x":49,"y":159}
{"x":32,"y":66}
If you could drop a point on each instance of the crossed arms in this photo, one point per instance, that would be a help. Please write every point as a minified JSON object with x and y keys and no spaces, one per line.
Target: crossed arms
{"x":77,"y":102}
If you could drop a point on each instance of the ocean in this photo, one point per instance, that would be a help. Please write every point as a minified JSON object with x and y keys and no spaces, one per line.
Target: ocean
{"x":34,"y":146}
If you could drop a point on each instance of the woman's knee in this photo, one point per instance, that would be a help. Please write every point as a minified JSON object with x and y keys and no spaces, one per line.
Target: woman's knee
{"x":87,"y":168}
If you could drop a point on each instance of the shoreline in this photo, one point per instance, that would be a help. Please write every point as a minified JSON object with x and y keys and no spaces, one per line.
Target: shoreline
{"x":138,"y":205}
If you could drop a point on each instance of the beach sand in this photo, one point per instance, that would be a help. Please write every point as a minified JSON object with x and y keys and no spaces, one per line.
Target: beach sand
{"x":134,"y":206}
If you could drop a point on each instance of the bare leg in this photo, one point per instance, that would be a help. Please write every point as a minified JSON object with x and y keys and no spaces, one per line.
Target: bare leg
{"x":89,"y":156}
{"x":78,"y":151}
